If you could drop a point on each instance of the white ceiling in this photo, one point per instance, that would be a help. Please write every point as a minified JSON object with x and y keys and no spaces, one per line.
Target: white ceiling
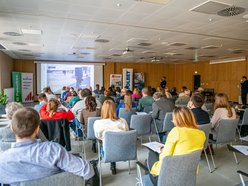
{"x":70,"y":27}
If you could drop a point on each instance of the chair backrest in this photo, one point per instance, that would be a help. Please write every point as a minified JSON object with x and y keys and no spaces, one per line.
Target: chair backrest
{"x":147,"y":109}
{"x":120,"y":146}
{"x":245,"y":117}
{"x":141,"y":123}
{"x":4,"y":145}
{"x":61,"y":179}
{"x":206,"y":129}
{"x":226,"y":130}
{"x":90,"y":127}
{"x":179,"y":170}
{"x":57,"y":131}
{"x":168,"y":125}
{"x":127,"y":114}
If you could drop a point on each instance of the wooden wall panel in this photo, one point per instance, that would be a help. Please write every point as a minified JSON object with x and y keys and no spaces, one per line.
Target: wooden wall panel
{"x":6,"y":67}
{"x":26,"y":66}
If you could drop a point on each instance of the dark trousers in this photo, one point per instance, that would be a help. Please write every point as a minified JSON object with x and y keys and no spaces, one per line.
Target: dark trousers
{"x":152,"y":158}
{"x":243,"y":97}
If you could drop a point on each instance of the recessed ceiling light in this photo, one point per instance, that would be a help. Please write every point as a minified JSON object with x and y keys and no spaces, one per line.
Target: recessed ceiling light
{"x":12,"y":33}
{"x":176,"y":44}
{"x":245,"y":16}
{"x":19,"y":43}
{"x":119,"y":4}
{"x":102,"y":40}
{"x":31,"y":31}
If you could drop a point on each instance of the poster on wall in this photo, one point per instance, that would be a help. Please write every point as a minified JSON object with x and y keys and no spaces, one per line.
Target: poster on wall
{"x":23,"y":86}
{"x":115,"y":79}
{"x":139,"y":80}
{"x":27,"y":87}
{"x":128,"y":78}
{"x":16,"y":81}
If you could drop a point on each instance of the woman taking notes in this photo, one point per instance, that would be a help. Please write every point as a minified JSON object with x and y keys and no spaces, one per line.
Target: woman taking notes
{"x":183,"y":139}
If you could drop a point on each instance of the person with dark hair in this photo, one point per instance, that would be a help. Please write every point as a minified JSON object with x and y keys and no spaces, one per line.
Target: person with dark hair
{"x":106,"y":96}
{"x":36,"y":159}
{"x":75,"y":99}
{"x":195,"y":104}
{"x":97,"y":90}
{"x":42,"y":101}
{"x":145,"y":101}
{"x":77,"y":109}
{"x":163,"y":82}
{"x":49,"y":93}
{"x":244,"y":89}
{"x":50,"y":111}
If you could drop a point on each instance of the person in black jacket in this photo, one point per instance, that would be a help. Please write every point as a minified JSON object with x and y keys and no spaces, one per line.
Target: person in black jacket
{"x":195,"y":104}
{"x":163,"y":82}
{"x":244,"y":89}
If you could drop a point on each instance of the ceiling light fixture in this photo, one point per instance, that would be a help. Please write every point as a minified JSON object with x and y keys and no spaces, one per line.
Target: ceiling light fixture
{"x":31,"y":31}
{"x":228,"y":60}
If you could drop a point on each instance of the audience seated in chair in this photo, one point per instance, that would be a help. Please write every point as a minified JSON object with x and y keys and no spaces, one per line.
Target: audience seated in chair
{"x":184,"y":138}
{"x":36,"y":159}
{"x":183,"y":100}
{"x":109,"y":122}
{"x":42,"y":101}
{"x":160,"y":107}
{"x":106,"y":96}
{"x":195,"y":104}
{"x":50,"y":111}
{"x":6,"y":134}
{"x":128,"y":104}
{"x":146,"y":100}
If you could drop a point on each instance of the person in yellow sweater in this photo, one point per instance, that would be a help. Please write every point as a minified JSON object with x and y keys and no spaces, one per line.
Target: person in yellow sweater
{"x":184,"y":138}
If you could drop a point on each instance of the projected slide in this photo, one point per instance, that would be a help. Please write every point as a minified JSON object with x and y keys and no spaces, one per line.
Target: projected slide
{"x":58,"y":75}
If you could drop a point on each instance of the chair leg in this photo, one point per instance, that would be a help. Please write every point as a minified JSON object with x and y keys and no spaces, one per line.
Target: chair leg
{"x":141,"y":140}
{"x":149,"y":138}
{"x":84,"y":149}
{"x":242,"y":180}
{"x":212,"y":157}
{"x":129,"y":170}
{"x":139,"y":177}
{"x":99,"y":163}
{"x":207,"y":161}
{"x":239,"y":133}
{"x":156,"y":128}
{"x":235,"y":157}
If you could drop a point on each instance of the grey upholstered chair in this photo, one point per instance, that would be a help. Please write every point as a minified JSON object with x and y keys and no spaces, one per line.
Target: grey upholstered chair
{"x":206,"y":129}
{"x":168,"y":125}
{"x":61,"y":179}
{"x":90,"y":128}
{"x":175,"y":170}
{"x":243,"y":122}
{"x":127,"y":114}
{"x":226,"y":133}
{"x":4,"y":145}
{"x":142,"y":124}
{"x":118,"y":146}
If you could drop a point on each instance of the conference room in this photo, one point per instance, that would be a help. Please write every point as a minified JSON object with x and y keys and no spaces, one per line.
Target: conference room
{"x":114,"y":79}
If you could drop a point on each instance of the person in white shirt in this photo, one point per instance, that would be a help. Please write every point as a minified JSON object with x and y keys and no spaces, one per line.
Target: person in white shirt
{"x":109,"y":122}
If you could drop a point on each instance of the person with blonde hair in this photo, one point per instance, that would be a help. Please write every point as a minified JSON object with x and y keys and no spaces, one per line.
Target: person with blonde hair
{"x":222,"y":110}
{"x":128,"y":104}
{"x":184,"y":138}
{"x":109,"y":122}
{"x":50,"y":111}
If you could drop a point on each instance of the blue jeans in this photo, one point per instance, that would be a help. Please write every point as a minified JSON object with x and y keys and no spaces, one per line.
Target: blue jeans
{"x":77,"y":127}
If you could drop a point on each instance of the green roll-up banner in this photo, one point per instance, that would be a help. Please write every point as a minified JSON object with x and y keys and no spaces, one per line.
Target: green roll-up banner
{"x":16,"y":81}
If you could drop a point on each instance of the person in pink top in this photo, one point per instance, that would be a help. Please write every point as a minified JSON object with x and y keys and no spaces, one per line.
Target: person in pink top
{"x":136,"y":95}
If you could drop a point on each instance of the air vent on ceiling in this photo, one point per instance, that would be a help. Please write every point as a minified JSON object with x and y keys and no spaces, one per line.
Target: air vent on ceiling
{"x":210,"y":47}
{"x":144,"y":44}
{"x":2,"y":47}
{"x":155,"y":1}
{"x":19,"y":43}
{"x":24,"y":50}
{"x":210,"y":7}
{"x":192,"y":48}
{"x":102,"y":40}
{"x":85,"y":53}
{"x":12,"y":33}
{"x":148,"y":52}
{"x":107,"y":58}
{"x":116,"y":55}
{"x":176,"y":44}
{"x":231,"y":11}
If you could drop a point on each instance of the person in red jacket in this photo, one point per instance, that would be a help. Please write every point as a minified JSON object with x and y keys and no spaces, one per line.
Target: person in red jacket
{"x":50,"y":111}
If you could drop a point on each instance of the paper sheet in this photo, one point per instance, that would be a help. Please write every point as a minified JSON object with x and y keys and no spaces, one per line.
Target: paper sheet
{"x":241,"y":148}
{"x":155,"y":146}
